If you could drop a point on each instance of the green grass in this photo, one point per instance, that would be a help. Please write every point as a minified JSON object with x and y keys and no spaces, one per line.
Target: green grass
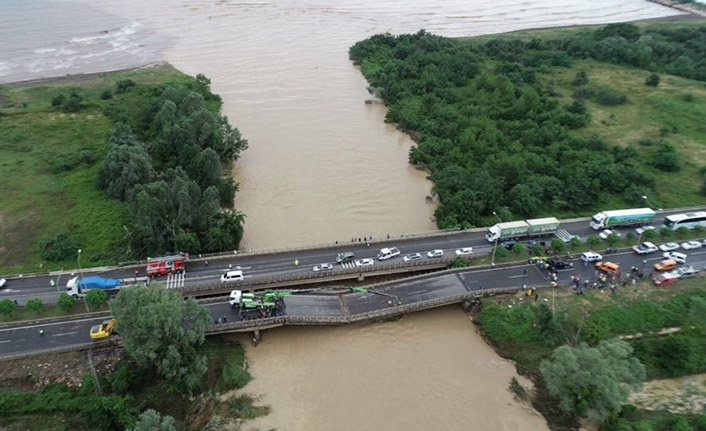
{"x":49,"y":311}
{"x":36,"y":200}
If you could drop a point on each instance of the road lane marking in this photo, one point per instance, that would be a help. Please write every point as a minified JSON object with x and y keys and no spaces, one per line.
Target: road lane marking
{"x":518,"y":276}
{"x":65,"y":333}
{"x":5,"y":341}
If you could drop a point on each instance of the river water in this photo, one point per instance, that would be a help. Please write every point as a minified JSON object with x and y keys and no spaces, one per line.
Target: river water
{"x":322,"y":167}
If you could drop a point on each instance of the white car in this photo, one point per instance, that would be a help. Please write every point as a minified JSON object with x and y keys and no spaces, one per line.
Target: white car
{"x":435,"y":253}
{"x":670,"y":246}
{"x":691,"y":245}
{"x":465,"y":251}
{"x":605,"y":233}
{"x":591,"y":256}
{"x":323,"y":267}
{"x":643,"y":229}
{"x":412,"y":256}
{"x":3,"y":282}
{"x":645,"y":248}
{"x":675,"y":256}
{"x":364,"y":262}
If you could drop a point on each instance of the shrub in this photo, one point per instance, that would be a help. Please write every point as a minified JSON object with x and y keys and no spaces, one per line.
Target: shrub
{"x":65,"y":302}
{"x":665,"y":158}
{"x":124,"y":85}
{"x":583,"y":93}
{"x":7,"y":307}
{"x":610,"y":98}
{"x":60,"y":164}
{"x":58,"y":101}
{"x":581,"y":78}
{"x":62,"y":247}
{"x":234,"y":376}
{"x":106,"y":94}
{"x":652,"y":80}
{"x":35,"y":304}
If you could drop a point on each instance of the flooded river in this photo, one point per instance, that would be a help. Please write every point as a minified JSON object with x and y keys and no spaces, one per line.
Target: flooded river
{"x":322,"y":167}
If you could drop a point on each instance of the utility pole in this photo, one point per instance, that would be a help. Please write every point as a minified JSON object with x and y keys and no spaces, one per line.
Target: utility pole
{"x":495,"y":247}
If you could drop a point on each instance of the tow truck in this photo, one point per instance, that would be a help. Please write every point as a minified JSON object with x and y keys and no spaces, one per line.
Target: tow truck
{"x":393,"y":301}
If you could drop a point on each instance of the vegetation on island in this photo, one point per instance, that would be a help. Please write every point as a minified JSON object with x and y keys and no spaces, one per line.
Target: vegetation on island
{"x":170,"y":378}
{"x":508,"y":123}
{"x":568,"y":342}
{"x":120,"y":165}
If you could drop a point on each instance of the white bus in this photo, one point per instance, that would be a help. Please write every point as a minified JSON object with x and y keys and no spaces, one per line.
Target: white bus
{"x":689,"y":220}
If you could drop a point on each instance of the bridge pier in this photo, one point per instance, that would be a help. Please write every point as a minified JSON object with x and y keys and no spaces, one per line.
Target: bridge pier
{"x":256,"y":337}
{"x":361,"y":277}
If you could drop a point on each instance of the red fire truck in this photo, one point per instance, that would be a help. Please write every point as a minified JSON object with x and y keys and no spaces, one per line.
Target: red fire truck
{"x":160,"y":266}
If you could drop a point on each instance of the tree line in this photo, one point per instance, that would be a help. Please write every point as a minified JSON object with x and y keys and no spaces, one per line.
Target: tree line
{"x":495,"y":137}
{"x":166,"y":159}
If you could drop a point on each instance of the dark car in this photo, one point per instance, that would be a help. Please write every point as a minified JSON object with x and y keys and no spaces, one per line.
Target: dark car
{"x":557,"y":263}
{"x":345,"y":257}
{"x":508,"y":245}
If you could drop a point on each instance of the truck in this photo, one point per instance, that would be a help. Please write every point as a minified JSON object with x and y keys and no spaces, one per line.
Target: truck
{"x":388,"y":253}
{"x":78,"y":286}
{"x":244,"y":300}
{"x":622,"y":218}
{"x":165,"y":265}
{"x":522,"y":229}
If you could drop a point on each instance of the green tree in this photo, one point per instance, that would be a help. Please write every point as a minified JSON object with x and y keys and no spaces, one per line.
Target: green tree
{"x":537,"y":249}
{"x":151,"y":420}
{"x":518,"y":249}
{"x":7,"y":307}
{"x":665,"y":157}
{"x":630,"y":237}
{"x":65,"y":302}
{"x":594,"y":241}
{"x":501,"y":252}
{"x":95,"y":298}
{"x":666,"y":232}
{"x":558,"y":245}
{"x":593,"y":382}
{"x":35,"y":304}
{"x":161,"y":330}
{"x":649,"y":234}
{"x":581,"y":78}
{"x":682,"y":231}
{"x":124,"y":167}
{"x":652,"y":80}
{"x":575,"y":242}
{"x":612,"y":239}
{"x":62,"y":247}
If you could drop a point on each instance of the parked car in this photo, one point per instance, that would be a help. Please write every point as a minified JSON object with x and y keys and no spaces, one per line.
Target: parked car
{"x":645,"y":248}
{"x":3,"y":282}
{"x":558,"y":263}
{"x":412,"y":257}
{"x":643,"y":229}
{"x":345,"y":257}
{"x":687,"y":271}
{"x":666,"y":278}
{"x":670,"y":246}
{"x":232,"y":276}
{"x":364,"y":262}
{"x":323,"y":267}
{"x":508,"y":245}
{"x":465,"y":251}
{"x":435,"y":253}
{"x":607,"y":232}
{"x":591,"y":256}
{"x":675,"y":256}
{"x":607,"y":267}
{"x":691,"y":245}
{"x":665,"y":265}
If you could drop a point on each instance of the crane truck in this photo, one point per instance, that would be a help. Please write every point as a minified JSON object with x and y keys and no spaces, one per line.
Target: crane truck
{"x":522,"y":229}
{"x":78,"y":286}
{"x":621,"y":218}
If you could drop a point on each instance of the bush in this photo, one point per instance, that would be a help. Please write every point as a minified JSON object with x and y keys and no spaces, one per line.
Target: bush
{"x":62,"y":247}
{"x":581,"y":78}
{"x":65,"y":302}
{"x":234,"y":376}
{"x":35,"y":304}
{"x":58,"y":101}
{"x":583,"y":93}
{"x":95,"y":298}
{"x":124,"y":85}
{"x":610,"y":98}
{"x":124,"y":377}
{"x":666,"y":232}
{"x":106,"y":94}
{"x":665,"y":157}
{"x":60,"y":164}
{"x":652,"y":80}
{"x":7,"y":307}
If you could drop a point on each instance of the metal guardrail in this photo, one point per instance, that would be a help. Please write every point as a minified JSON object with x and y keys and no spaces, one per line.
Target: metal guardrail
{"x":61,"y":349}
{"x":268,"y":322}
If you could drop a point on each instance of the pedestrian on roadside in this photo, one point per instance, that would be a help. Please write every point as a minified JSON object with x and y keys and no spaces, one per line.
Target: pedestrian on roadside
{"x":16,"y":302}
{"x":206,"y":263}
{"x":536,"y":297}
{"x":524,"y":272}
{"x":41,"y":332}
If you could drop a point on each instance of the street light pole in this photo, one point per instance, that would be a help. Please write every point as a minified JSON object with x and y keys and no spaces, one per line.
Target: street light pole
{"x":78,"y":260}
{"x":495,"y":247}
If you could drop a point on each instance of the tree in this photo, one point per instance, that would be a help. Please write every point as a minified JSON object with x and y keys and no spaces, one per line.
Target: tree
{"x":161,"y":330}
{"x":629,"y":237}
{"x":518,"y":249}
{"x":575,"y":242}
{"x":62,"y":247}
{"x":649,"y":234}
{"x":593,"y":240}
{"x":65,"y":302}
{"x":124,"y":167}
{"x":665,"y":157}
{"x":7,"y":307}
{"x":652,"y":80}
{"x":558,"y":245}
{"x":151,"y":420}
{"x":666,"y":231}
{"x":95,"y":298}
{"x":682,"y":231}
{"x":612,"y":239}
{"x":501,"y":252}
{"x":35,"y":304}
{"x":593,"y":382}
{"x":537,"y":249}
{"x":581,"y":78}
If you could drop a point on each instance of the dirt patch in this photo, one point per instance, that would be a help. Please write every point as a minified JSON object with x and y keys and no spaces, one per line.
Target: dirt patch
{"x":681,"y":395}
{"x":33,"y":373}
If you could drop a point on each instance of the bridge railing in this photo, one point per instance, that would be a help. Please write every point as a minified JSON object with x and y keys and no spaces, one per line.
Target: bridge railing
{"x":268,"y":322}
{"x":313,"y":276}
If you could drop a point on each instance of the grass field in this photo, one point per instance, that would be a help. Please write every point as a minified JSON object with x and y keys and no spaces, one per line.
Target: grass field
{"x":49,"y":162}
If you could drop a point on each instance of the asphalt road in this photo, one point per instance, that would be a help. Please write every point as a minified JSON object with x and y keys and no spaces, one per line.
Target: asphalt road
{"x":26,"y":338}
{"x":280,"y":264}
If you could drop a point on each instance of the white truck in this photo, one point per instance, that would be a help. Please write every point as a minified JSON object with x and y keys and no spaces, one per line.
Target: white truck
{"x":388,"y":253}
{"x":622,"y":218}
{"x":522,"y":229}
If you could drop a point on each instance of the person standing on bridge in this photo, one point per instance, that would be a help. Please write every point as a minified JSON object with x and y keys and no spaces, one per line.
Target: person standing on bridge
{"x":296,"y":262}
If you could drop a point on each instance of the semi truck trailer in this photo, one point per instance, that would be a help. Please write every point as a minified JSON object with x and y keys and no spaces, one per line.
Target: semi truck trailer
{"x":522,"y":229}
{"x":622,"y":218}
{"x":78,"y":286}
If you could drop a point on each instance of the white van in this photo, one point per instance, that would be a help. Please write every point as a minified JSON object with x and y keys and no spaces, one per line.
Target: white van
{"x":232,"y":276}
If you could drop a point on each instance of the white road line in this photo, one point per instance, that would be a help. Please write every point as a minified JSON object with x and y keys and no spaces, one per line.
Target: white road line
{"x":518,"y":276}
{"x":65,"y":333}
{"x":5,"y":341}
